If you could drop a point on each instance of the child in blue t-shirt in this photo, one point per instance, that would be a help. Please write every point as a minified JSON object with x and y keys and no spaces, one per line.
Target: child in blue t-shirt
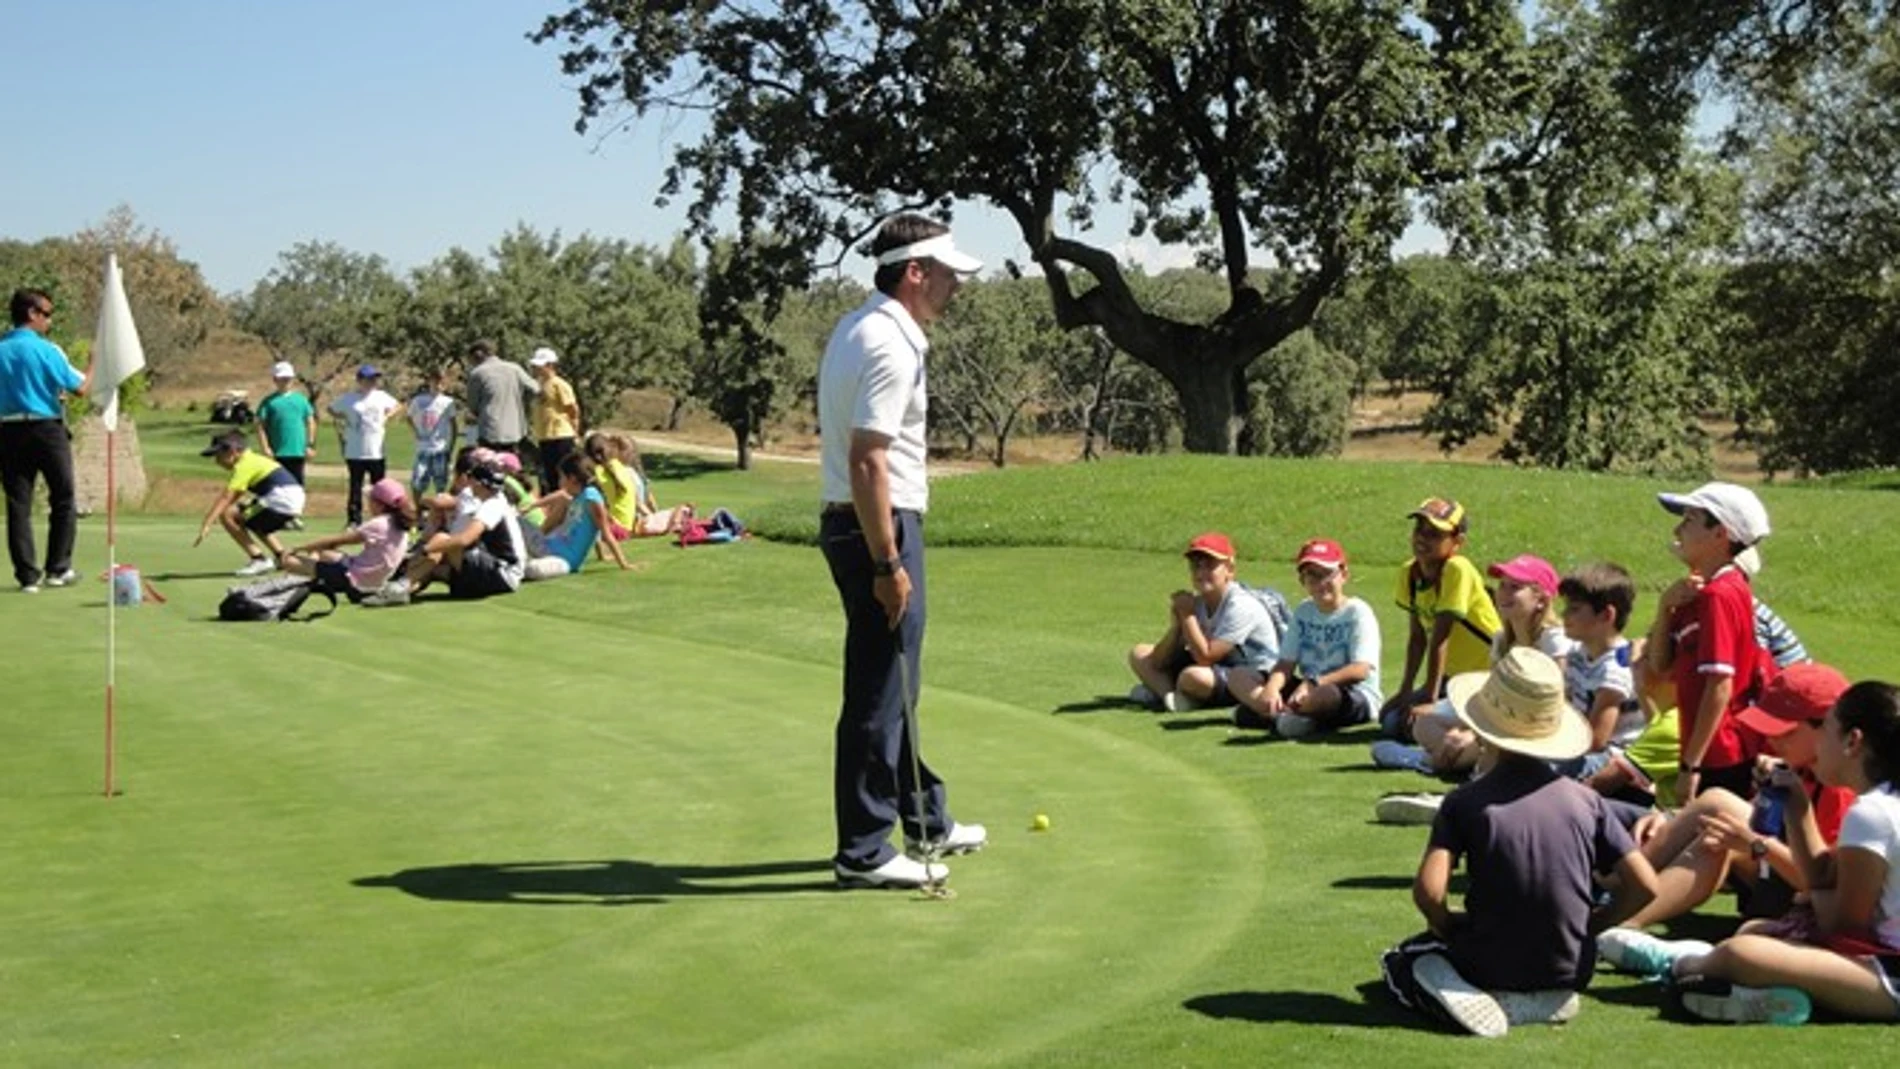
{"x":1217,"y":626}
{"x":1328,"y":673}
{"x":577,"y":522}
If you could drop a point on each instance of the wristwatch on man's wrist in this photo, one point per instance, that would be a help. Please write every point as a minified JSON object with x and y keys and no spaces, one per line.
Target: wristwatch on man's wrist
{"x":886,"y":567}
{"x":1758,"y":849}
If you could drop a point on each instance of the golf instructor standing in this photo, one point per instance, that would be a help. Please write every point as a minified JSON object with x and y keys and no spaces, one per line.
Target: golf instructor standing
{"x":871,"y":407}
{"x":34,"y":444}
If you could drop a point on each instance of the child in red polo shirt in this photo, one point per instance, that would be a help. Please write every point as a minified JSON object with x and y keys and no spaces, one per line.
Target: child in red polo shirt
{"x":1704,"y":636}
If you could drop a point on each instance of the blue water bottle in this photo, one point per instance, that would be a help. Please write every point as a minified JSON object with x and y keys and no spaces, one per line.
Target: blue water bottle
{"x":1771,"y":805}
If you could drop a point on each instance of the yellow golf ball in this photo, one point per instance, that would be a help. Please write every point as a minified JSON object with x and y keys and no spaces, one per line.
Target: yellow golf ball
{"x":1040,"y":822}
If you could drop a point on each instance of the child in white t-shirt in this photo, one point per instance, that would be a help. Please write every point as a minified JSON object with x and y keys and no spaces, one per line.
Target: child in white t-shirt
{"x":1327,"y":676}
{"x":362,"y":418}
{"x":434,"y":417}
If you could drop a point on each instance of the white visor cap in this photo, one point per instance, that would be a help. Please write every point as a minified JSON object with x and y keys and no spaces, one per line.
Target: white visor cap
{"x":940,"y":248}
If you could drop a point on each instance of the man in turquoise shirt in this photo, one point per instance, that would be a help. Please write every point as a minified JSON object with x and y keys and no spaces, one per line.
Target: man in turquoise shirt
{"x":34,"y":444}
{"x":286,"y":424}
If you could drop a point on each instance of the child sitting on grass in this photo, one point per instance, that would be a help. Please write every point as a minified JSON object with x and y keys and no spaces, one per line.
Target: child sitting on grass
{"x":1715,"y":841}
{"x":384,"y":538}
{"x":275,"y":502}
{"x":576,"y":523}
{"x":1327,"y":676}
{"x":1532,"y":842}
{"x":619,"y":484}
{"x":1598,"y":600}
{"x":1218,"y":626}
{"x":1846,"y":956}
{"x":1526,"y":604}
{"x":1450,"y":620}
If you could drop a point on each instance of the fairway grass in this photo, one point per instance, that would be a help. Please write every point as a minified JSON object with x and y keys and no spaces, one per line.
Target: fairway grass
{"x":590,"y":823}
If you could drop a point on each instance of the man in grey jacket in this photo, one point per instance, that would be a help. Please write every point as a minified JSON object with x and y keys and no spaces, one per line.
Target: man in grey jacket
{"x":496,"y":389}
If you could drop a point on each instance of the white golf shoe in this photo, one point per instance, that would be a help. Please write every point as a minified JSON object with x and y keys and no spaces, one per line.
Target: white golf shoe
{"x":961,"y":839}
{"x":899,"y":872}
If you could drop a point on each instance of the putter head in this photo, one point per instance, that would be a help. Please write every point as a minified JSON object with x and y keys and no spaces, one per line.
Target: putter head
{"x":937,"y":886}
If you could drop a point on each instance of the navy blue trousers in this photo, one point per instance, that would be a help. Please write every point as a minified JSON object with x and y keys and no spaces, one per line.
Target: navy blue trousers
{"x":873,"y":789}
{"x":29,"y":451}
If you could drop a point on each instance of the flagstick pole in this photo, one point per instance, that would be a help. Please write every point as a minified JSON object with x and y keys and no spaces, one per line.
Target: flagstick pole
{"x":112,"y":599}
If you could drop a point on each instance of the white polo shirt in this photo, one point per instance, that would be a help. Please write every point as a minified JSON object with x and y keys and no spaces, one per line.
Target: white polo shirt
{"x":872,"y":378}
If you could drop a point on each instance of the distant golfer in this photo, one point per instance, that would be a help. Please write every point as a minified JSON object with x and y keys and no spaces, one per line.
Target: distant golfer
{"x":34,"y":443}
{"x":871,"y":408}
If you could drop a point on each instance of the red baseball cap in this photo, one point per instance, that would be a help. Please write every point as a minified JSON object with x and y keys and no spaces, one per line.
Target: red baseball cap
{"x":1802,"y":693}
{"x":1213,"y":544}
{"x":1529,"y":570}
{"x":1324,"y":552}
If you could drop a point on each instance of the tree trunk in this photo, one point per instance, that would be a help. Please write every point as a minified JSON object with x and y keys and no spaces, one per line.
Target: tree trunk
{"x":1212,"y":410}
{"x":742,"y":435}
{"x":674,"y":413}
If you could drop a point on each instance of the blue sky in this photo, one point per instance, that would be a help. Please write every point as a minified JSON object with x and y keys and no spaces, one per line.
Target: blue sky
{"x":241,"y":127}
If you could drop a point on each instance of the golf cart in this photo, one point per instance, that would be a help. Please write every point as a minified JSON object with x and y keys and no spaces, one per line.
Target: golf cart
{"x":233,"y":407}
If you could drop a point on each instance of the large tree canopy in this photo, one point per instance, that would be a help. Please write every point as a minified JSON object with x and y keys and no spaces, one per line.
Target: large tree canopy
{"x":1307,"y":128}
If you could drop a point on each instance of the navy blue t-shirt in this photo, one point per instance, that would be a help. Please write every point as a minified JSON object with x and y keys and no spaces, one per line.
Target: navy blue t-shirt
{"x":1530,"y":840}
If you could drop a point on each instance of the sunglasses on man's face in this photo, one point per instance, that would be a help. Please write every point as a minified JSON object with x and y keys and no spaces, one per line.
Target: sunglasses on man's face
{"x":45,"y":311}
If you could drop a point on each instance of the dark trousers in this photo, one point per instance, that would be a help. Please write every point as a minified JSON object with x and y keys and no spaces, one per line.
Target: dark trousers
{"x":31,"y":450}
{"x":293,"y":465}
{"x":553,"y":451}
{"x":873,"y":789}
{"x":361,"y":472}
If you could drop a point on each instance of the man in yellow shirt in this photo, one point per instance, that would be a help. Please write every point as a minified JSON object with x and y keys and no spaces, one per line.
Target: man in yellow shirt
{"x":557,"y":418}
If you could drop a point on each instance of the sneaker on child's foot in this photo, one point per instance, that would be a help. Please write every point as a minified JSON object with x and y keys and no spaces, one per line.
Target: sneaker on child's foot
{"x":1557,"y":1006}
{"x":1475,"y":1010}
{"x":1176,"y":702}
{"x":1719,"y":1000}
{"x":1407,"y":808}
{"x":258,"y":566}
{"x":1391,"y":753}
{"x":394,"y":592}
{"x":1633,"y":950}
{"x":1142,"y":696}
{"x":1294,"y":726}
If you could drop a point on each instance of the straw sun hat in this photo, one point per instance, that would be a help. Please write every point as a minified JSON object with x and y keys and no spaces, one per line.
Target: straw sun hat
{"x":1519,"y":706}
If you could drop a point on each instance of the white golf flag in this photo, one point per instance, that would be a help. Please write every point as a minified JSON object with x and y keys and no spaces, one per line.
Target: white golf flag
{"x":117,"y":354}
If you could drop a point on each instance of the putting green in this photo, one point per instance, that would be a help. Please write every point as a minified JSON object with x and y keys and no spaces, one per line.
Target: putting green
{"x":483,"y":833}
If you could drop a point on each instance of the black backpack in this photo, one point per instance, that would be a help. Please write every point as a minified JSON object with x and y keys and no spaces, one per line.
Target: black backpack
{"x":276,"y":598}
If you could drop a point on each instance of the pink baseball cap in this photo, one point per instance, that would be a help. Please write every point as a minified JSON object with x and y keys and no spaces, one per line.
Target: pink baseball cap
{"x":509,"y":463}
{"x":388,"y":493}
{"x":1529,"y":570}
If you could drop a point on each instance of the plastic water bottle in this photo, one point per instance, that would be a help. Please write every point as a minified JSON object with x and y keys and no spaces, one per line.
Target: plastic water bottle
{"x":1771,"y":805}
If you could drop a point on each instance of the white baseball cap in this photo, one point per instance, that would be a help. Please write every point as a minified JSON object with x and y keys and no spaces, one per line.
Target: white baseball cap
{"x":1734,"y":507}
{"x":543,"y":357}
{"x":282,"y":370}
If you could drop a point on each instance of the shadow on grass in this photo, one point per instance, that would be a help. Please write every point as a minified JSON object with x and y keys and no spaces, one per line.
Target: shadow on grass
{"x":1101,"y":703}
{"x":166,"y":577}
{"x":1458,"y":883}
{"x":618,"y":882}
{"x":1197,"y":723}
{"x":675,"y":467}
{"x":1372,"y":1010}
{"x":1708,"y":927}
{"x":1636,"y":992}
